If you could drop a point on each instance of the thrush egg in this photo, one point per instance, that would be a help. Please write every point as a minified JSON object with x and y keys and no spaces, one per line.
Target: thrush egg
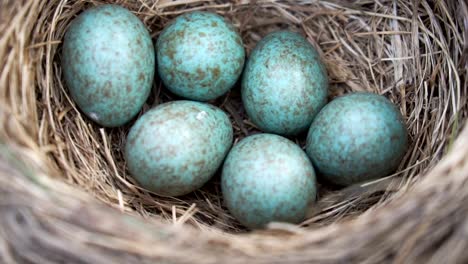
{"x":108,"y":64}
{"x":357,"y":137}
{"x":200,"y":56}
{"x":176,"y":147}
{"x":284,"y":84}
{"x":267,"y":178}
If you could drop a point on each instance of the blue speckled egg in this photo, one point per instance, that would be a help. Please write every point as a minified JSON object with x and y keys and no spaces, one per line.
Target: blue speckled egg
{"x":357,"y":137}
{"x":175,"y":148}
{"x":200,"y":56}
{"x":284,"y":84}
{"x":267,"y":178}
{"x":108,"y":63}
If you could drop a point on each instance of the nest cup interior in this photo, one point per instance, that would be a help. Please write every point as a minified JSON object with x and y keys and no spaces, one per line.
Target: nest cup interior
{"x":410,"y":54}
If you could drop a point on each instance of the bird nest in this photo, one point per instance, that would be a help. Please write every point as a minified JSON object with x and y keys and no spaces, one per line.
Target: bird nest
{"x":67,"y":197}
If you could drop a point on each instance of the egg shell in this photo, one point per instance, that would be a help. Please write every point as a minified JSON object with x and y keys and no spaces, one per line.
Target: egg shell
{"x":200,"y":56}
{"x":108,"y":64}
{"x":357,"y":137}
{"x":175,"y":148}
{"x":267,"y":178}
{"x":284,"y":84}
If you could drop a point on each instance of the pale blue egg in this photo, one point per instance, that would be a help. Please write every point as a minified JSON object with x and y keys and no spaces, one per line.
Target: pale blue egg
{"x":108,"y":63}
{"x":284,"y":84}
{"x":357,"y":137}
{"x":200,"y":56}
{"x":177,"y":147}
{"x":267,"y":178}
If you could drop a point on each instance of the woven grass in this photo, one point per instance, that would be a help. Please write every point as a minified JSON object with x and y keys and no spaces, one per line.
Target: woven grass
{"x":66,"y":196}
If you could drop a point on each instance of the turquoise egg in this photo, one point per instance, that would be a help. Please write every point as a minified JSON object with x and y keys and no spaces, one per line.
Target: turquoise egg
{"x":357,"y":137}
{"x":284,"y":84}
{"x":108,"y":64}
{"x":267,"y":178}
{"x":176,"y":147}
{"x":200,"y":56}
